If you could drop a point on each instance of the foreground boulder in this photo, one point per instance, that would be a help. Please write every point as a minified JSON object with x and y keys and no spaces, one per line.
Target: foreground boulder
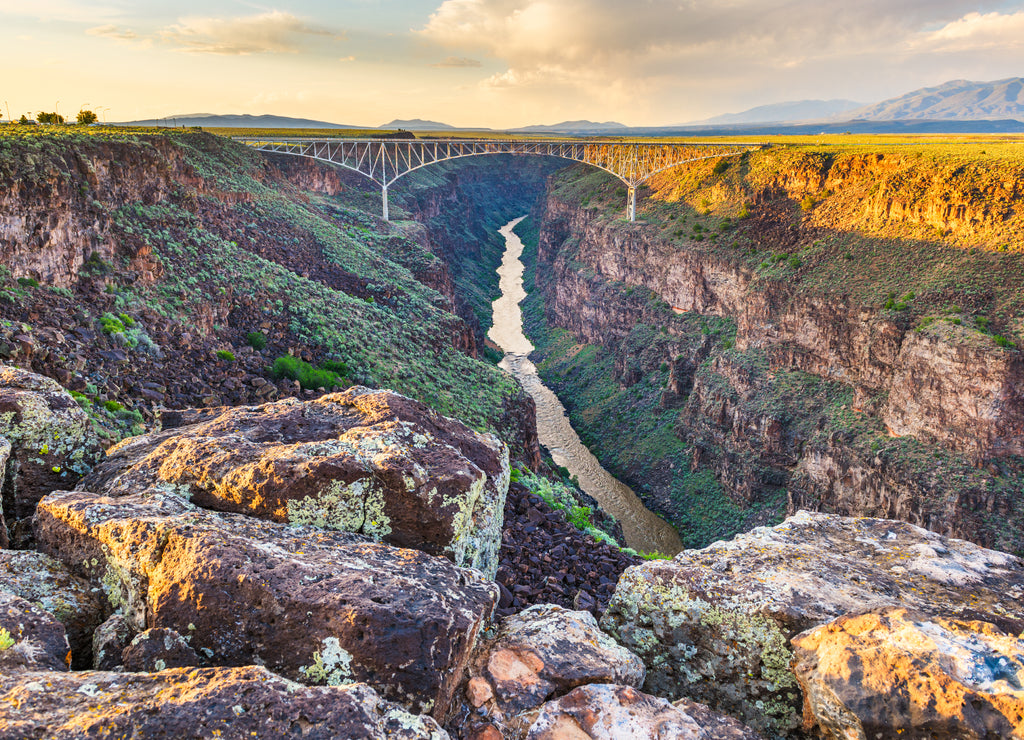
{"x":372,"y":462}
{"x":157,"y":649}
{"x":609,"y":712}
{"x":893,"y":673}
{"x":47,"y":583}
{"x":225,"y":703}
{"x":714,"y":624}
{"x":317,"y":606}
{"x":48,"y":440}
{"x":109,"y":642}
{"x":30,"y":637}
{"x":542,"y":652}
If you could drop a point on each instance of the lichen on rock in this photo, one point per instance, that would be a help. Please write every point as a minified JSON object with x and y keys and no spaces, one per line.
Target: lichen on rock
{"x":371,"y":462}
{"x":52,"y":444}
{"x":715,"y":624}
{"x":893,"y":672}
{"x":316,"y":605}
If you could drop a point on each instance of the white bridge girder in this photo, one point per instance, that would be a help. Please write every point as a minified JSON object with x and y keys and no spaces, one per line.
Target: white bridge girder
{"x":386,"y":160}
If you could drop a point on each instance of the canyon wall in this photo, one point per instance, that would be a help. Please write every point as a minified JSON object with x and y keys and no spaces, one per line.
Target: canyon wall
{"x":938,"y":389}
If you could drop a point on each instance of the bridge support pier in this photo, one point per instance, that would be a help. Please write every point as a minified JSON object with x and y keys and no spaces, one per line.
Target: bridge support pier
{"x":631,"y":205}
{"x":384,"y":200}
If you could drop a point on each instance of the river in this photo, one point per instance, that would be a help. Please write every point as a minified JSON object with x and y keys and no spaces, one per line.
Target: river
{"x":644,"y":530}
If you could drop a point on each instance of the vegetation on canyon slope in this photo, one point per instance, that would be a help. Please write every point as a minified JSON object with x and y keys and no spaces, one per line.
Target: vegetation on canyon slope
{"x":233,"y":247}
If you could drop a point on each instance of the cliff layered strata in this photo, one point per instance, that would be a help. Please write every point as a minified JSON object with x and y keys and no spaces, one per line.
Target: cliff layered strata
{"x":926,"y":383}
{"x":941,"y":387}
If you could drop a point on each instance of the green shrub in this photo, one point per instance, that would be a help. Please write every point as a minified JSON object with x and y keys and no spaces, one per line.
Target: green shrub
{"x":1003,"y":341}
{"x":112,"y":406}
{"x":744,"y":211}
{"x":335,"y":366}
{"x":795,"y":262}
{"x":256,"y":340}
{"x":127,"y":320}
{"x":807,"y":203}
{"x":309,"y":377}
{"x":720,"y":166}
{"x":654,"y":555}
{"x":27,"y":282}
{"x":111,"y":324}
{"x":579,"y":516}
{"x":981,"y":322}
{"x":226,"y":354}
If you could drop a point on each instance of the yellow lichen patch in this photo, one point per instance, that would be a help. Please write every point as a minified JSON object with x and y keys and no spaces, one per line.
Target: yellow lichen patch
{"x":331,"y":666}
{"x":339,"y":506}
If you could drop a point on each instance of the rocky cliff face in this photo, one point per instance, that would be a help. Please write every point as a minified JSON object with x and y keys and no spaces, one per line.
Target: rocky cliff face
{"x":925,"y":384}
{"x":939,"y":387}
{"x":57,"y":211}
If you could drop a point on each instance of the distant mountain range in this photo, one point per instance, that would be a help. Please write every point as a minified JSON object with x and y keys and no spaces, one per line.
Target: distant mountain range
{"x":958,"y":100}
{"x":575,"y":127}
{"x":215,"y":120}
{"x":959,"y":106}
{"x":417,"y":124}
{"x":798,"y":110}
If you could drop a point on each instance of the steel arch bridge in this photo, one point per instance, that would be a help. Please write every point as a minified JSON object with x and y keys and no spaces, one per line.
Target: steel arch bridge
{"x":386,"y":160}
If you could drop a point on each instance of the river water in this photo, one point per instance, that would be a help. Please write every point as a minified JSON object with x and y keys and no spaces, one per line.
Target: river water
{"x":644,"y":530}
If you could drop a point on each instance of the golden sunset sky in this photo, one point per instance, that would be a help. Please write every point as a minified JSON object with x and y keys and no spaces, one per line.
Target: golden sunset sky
{"x":493,"y":63}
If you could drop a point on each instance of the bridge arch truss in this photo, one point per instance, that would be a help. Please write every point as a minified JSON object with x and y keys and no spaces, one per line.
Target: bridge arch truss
{"x":386,"y":160}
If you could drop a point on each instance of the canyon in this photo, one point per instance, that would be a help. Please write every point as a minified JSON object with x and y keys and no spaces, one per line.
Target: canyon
{"x":226,"y":381}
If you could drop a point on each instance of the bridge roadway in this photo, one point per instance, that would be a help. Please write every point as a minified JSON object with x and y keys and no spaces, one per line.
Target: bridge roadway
{"x":386,"y":160}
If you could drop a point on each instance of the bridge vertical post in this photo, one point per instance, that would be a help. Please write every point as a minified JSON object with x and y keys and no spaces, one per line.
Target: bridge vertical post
{"x":631,"y":205}
{"x":384,"y":200}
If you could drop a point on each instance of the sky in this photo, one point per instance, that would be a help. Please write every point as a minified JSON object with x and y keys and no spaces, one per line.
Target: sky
{"x":490,"y":63}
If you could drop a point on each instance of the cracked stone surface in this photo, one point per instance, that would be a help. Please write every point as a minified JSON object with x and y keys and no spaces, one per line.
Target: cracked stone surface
{"x":317,"y":606}
{"x":714,"y":625}
{"x":366,"y":461}
{"x":229,"y":703}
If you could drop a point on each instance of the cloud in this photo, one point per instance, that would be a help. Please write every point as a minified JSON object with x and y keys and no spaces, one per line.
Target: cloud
{"x":457,"y":62}
{"x":654,"y":46}
{"x":976,"y":31}
{"x":111,"y":31}
{"x":267,"y":33}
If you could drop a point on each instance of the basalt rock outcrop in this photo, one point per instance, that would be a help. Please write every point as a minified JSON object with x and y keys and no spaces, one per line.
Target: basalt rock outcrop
{"x":30,"y":637}
{"x":897,"y":673}
{"x":158,"y":649}
{"x":371,"y":462}
{"x":46,"y":441}
{"x":230,"y":703}
{"x":48,"y":584}
{"x":546,"y":560}
{"x":715,"y":625}
{"x":317,"y":606}
{"x":537,"y":655}
{"x":109,"y":642}
{"x":609,"y":712}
